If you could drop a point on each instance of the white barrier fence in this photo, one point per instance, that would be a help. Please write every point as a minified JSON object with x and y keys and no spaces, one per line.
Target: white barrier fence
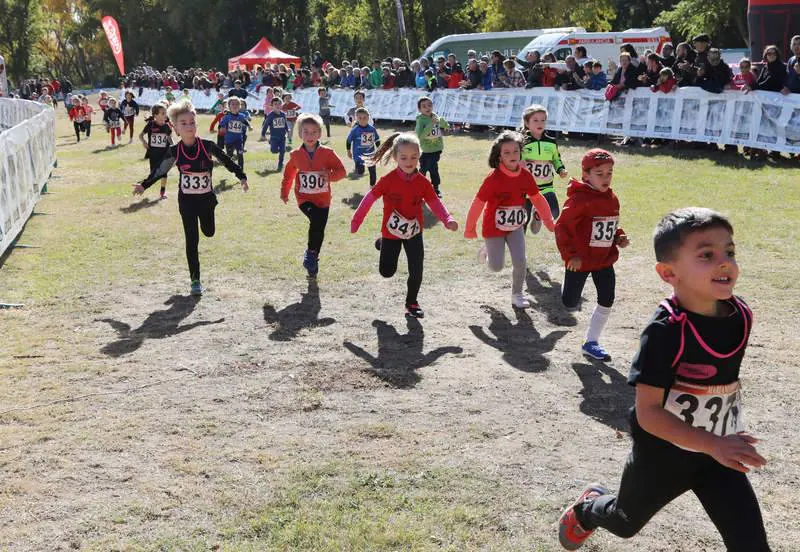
{"x":766,"y":120}
{"x":27,"y":157}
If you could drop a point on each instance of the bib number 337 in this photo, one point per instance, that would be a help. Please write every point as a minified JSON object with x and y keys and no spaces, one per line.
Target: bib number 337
{"x":603,"y":231}
{"x":401,"y":227}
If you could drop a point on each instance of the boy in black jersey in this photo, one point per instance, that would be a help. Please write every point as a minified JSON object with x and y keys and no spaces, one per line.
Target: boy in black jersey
{"x":686,"y":424}
{"x":156,"y":136}
{"x":196,"y":197}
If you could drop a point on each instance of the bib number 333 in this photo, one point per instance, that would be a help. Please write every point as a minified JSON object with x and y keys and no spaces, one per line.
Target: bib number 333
{"x":195,"y":183}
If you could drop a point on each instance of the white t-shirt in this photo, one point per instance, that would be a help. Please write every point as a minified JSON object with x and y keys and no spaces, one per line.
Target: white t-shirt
{"x":3,"y":78}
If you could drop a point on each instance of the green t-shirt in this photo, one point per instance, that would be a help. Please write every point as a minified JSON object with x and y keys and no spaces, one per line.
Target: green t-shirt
{"x":430,"y":134}
{"x":542,"y":159}
{"x":376,"y":78}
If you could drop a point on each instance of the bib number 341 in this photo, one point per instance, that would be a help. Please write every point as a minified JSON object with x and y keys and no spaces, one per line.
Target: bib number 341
{"x":401,"y":227}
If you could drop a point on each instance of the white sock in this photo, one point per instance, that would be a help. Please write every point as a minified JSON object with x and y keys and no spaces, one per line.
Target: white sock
{"x":597,"y":322}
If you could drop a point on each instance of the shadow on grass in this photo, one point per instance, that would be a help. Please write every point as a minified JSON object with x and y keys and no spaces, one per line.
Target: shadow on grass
{"x":267,"y":171}
{"x":522,"y":346}
{"x":294,"y":318}
{"x":400,"y":355}
{"x":158,"y":325}
{"x":223,"y":186}
{"x":105,"y":149}
{"x":548,"y":298}
{"x":139,"y":205}
{"x":353,"y":201}
{"x":607,"y":397}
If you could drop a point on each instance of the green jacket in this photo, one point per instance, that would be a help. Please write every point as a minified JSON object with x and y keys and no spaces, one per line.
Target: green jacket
{"x":376,"y":78}
{"x":542,"y":159}
{"x":430,"y":135}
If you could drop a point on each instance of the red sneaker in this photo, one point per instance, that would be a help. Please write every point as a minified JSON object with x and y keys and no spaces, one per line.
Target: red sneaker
{"x":570,"y":533}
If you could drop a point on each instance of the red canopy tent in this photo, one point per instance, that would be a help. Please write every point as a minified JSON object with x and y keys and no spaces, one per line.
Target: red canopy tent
{"x":263,"y":52}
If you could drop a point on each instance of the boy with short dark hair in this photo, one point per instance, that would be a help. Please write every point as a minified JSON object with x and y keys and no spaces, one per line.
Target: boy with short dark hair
{"x":362,"y":142}
{"x":686,"y":425}
{"x":277,"y":124}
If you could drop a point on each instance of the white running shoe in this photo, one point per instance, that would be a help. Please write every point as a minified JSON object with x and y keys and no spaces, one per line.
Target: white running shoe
{"x":519,"y":301}
{"x":482,"y":254}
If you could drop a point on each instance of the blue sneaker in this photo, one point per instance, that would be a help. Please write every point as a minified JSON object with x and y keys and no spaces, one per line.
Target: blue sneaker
{"x":197,"y":288}
{"x":311,"y":262}
{"x":594,"y":350}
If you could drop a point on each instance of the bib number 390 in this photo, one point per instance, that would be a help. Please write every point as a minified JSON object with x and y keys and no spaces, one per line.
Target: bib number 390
{"x":195,"y":183}
{"x":509,"y":219}
{"x":603,"y":231}
{"x":401,"y":227}
{"x":313,"y":182}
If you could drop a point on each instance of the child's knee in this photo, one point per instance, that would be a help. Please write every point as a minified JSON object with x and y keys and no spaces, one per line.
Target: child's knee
{"x":387,"y":271}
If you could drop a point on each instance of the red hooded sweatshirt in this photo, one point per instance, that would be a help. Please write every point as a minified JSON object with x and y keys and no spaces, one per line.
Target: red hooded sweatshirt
{"x":588,"y":227}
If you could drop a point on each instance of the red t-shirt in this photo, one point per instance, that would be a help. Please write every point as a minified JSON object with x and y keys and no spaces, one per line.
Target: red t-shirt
{"x":77,"y":114}
{"x":504,"y":196}
{"x":290,"y":108}
{"x":740,"y":80}
{"x":403,"y":195}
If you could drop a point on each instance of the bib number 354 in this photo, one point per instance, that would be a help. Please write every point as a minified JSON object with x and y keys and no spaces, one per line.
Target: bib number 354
{"x":603,"y":231}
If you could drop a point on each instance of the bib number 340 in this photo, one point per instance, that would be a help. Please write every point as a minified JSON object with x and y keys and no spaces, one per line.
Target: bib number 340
{"x":509,"y":219}
{"x":603,"y":231}
{"x":401,"y":227}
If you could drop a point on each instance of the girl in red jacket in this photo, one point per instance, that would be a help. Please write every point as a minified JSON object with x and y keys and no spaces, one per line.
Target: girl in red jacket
{"x":311,"y":168}
{"x":503,"y":194}
{"x":588,"y":235}
{"x":403,"y":191}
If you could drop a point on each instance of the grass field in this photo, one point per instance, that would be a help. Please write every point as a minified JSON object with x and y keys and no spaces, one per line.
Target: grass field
{"x":282,"y":414}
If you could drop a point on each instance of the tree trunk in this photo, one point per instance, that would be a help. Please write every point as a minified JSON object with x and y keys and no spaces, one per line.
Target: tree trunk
{"x":381,"y":45}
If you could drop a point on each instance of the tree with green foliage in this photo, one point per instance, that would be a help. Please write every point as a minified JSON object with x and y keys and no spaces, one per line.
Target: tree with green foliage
{"x":724,"y":20}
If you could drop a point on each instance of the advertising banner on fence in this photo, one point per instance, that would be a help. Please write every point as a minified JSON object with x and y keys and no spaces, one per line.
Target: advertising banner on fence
{"x":766,"y":120}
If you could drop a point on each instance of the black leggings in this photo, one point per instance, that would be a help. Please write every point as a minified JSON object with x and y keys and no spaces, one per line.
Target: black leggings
{"x":326,"y":120}
{"x":415,"y":254}
{"x":373,"y":175}
{"x":78,"y":128}
{"x":155,"y":162}
{"x":236,"y":147}
{"x":198,"y":209}
{"x":429,"y":162}
{"x":658,"y":472}
{"x":604,"y":281}
{"x":87,"y":126}
{"x":318,"y":220}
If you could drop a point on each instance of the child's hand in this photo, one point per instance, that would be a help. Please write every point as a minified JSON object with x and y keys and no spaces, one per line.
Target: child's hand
{"x":245,"y":187}
{"x":353,"y":226}
{"x":138,"y":189}
{"x":470,"y":234}
{"x":737,"y":452}
{"x":349,"y":154}
{"x":622,"y":241}
{"x":574,"y":264}
{"x":452,"y":226}
{"x":563,"y":173}
{"x":434,"y":118}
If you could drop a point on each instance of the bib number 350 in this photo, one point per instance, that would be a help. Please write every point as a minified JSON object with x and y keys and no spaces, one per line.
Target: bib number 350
{"x":603,"y":231}
{"x":401,"y":227}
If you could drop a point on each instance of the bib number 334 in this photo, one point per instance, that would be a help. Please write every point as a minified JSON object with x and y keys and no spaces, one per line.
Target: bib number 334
{"x":401,"y":227}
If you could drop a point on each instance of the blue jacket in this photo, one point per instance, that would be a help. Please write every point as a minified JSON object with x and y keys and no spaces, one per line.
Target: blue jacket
{"x":234,"y":126}
{"x":598,"y":81}
{"x":364,"y":141}
{"x":793,"y":79}
{"x":276,"y":123}
{"x":487,"y":79}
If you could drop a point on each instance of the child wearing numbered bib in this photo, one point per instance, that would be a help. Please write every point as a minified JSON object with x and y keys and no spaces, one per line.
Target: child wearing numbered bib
{"x":77,"y":115}
{"x":87,"y":124}
{"x":403,"y":190}
{"x":196,"y":197}
{"x":687,"y":426}
{"x":503,"y":195}
{"x":156,"y":137}
{"x":588,"y":236}
{"x":234,"y":125}
{"x":541,"y":158}
{"x":215,"y":124}
{"x":113,"y":120}
{"x":311,"y":170}
{"x":130,"y":110}
{"x":278,"y":125}
{"x":292,"y":110}
{"x":430,"y":129}
{"x":362,"y":142}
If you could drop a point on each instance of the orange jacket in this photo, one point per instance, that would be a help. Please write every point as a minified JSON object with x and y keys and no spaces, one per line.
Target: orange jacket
{"x":323,"y":161}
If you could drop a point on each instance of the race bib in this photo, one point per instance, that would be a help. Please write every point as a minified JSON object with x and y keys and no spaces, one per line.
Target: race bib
{"x":313,"y":182}
{"x":509,"y":219}
{"x":542,"y":171}
{"x":291,"y":114}
{"x":128,"y":112}
{"x":401,"y":227}
{"x":79,"y":119}
{"x":714,"y":408}
{"x":195,"y":183}
{"x":279,"y":122}
{"x":159,"y":140}
{"x":235,"y":127}
{"x":603,"y":231}
{"x":436,"y":131}
{"x":113,"y":123}
{"x":367,"y":140}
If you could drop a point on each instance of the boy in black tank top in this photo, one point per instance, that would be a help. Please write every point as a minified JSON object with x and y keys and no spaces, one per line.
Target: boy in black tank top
{"x":196,"y":197}
{"x":687,"y":426}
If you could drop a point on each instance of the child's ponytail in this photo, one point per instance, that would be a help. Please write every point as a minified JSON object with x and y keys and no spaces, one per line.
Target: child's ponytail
{"x":390,"y":146}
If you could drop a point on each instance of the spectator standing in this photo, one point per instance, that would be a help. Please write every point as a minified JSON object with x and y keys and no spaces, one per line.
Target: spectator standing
{"x":684,"y":59}
{"x":627,"y":74}
{"x":3,"y":78}
{"x":793,"y":79}
{"x":715,"y":75}
{"x":745,"y":79}
{"x":773,"y":73}
{"x":667,"y":55}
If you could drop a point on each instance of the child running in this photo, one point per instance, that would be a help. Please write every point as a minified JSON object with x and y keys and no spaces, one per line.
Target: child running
{"x":362,"y":142}
{"x":87,"y":124}
{"x":292,"y":110}
{"x":130,"y":110}
{"x":196,"y":197}
{"x":686,"y":425}
{"x":113,"y":121}
{"x":277,"y":125}
{"x":503,"y":194}
{"x":220,"y":131}
{"x":103,"y":101}
{"x":77,"y":114}
{"x":234,"y":124}
{"x":540,"y":156}
{"x":158,"y":141}
{"x":311,"y":169}
{"x":429,"y":131}
{"x":350,"y":118}
{"x":588,"y":237}
{"x":403,"y":190}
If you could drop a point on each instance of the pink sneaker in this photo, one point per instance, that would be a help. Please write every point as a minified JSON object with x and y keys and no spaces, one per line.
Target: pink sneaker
{"x":570,"y":533}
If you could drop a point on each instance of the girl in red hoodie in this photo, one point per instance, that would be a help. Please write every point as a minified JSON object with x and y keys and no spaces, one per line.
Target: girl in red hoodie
{"x":588,"y":236}
{"x":503,"y":194}
{"x":403,"y":190}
